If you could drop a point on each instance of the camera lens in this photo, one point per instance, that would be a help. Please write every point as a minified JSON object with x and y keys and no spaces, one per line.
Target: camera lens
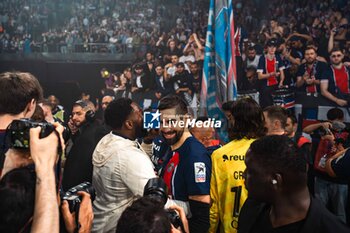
{"x":156,"y":189}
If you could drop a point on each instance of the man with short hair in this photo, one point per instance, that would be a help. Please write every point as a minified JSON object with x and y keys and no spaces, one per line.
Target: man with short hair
{"x":182,"y":83}
{"x":335,"y":81}
{"x":170,"y":68}
{"x":187,"y":173}
{"x":85,"y":134}
{"x":309,"y":74}
{"x":47,"y":110}
{"x":121,"y":168}
{"x":252,"y":59}
{"x":275,"y":120}
{"x":204,"y":133}
{"x":291,"y":126}
{"x":164,"y":86}
{"x":19,"y":93}
{"x":105,"y":101}
{"x":278,"y":196}
{"x":57,"y":109}
{"x":195,"y":79}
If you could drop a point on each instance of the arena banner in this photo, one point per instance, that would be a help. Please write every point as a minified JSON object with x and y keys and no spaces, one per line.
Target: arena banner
{"x":219,"y":69}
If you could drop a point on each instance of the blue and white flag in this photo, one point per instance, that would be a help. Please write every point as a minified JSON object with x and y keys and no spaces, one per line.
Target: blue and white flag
{"x":219,"y":69}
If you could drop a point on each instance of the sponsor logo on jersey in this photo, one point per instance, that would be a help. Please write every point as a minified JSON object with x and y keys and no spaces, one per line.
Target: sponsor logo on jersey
{"x":199,"y":172}
{"x":233,"y":158}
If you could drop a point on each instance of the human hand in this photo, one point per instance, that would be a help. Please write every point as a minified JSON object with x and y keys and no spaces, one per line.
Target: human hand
{"x":341,"y":102}
{"x":272,"y":74}
{"x":333,"y":31}
{"x":306,"y":76}
{"x":183,"y":218}
{"x":60,"y":130}
{"x":43,"y":150}
{"x":168,"y":65}
{"x":73,"y":128}
{"x":86,"y":214}
{"x":309,"y":81}
{"x":326,"y":125}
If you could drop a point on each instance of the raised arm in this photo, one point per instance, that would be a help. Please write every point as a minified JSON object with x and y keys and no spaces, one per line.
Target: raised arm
{"x":44,"y":154}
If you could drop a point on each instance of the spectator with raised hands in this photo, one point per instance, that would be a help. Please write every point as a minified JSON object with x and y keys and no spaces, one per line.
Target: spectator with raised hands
{"x":194,"y":44}
{"x":274,"y":28}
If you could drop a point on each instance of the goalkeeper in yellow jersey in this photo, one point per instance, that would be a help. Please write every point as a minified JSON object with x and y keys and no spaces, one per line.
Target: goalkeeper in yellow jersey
{"x":227,"y":190}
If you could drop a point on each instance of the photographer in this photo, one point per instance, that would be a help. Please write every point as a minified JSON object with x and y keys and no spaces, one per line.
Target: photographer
{"x":43,"y":152}
{"x":85,"y":217}
{"x":19,"y":186}
{"x":146,"y":215}
{"x":19,"y":93}
{"x":332,"y":191}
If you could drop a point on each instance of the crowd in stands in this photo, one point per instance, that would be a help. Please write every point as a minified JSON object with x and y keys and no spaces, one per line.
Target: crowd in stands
{"x":96,"y":26}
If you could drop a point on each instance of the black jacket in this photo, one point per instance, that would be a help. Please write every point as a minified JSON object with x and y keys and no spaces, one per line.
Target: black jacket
{"x":78,"y":166}
{"x":318,"y":218}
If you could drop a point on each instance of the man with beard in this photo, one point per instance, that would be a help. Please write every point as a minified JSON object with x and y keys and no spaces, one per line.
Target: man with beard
{"x":309,"y":74}
{"x":335,"y":83}
{"x":104,"y":103}
{"x":86,"y":131}
{"x":187,"y":173}
{"x":252,"y":59}
{"x":195,"y":78}
{"x":278,"y":196}
{"x":121,"y":166}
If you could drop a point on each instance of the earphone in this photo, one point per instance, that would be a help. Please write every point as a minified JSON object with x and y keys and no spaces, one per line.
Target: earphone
{"x":90,"y":114}
{"x":274,"y":181}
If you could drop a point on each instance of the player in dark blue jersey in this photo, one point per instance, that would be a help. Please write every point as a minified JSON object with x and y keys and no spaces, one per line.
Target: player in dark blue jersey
{"x":187,"y":173}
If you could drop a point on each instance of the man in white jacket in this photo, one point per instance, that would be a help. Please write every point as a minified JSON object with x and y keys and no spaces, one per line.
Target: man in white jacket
{"x":121,"y":167}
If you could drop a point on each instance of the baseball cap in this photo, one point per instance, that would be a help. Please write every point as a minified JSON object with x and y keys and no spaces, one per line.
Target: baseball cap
{"x":138,"y":66}
{"x":272,"y":42}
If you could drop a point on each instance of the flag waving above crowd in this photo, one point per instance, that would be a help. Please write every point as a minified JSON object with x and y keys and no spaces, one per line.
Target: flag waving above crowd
{"x":219,"y":69}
